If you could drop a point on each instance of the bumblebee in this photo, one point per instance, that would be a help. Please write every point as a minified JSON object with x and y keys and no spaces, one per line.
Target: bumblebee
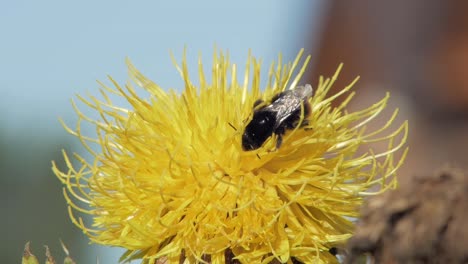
{"x":282,"y":113}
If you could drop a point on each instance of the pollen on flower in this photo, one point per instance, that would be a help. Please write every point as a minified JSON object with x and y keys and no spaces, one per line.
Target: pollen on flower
{"x":171,"y":181}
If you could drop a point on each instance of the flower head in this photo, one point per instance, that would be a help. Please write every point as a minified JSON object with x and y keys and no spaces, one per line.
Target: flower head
{"x":171,"y":180}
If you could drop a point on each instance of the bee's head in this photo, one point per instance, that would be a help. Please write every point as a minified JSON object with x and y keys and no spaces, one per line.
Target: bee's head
{"x":258,"y":130}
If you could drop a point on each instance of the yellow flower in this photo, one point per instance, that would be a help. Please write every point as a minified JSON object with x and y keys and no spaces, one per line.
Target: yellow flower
{"x":171,"y":180}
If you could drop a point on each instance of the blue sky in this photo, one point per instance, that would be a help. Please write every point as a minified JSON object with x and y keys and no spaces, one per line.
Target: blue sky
{"x":52,"y":50}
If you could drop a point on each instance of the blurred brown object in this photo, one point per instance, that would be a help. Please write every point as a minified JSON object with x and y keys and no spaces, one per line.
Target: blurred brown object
{"x":424,"y":221}
{"x":420,"y":46}
{"x":418,"y":51}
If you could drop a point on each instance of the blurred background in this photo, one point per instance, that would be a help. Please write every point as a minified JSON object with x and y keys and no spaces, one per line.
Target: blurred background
{"x":52,"y":50}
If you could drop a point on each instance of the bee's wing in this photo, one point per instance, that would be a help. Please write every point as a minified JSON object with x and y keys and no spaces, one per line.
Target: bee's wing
{"x":291,"y":101}
{"x":303,"y":92}
{"x":286,"y":111}
{"x":285,"y":106}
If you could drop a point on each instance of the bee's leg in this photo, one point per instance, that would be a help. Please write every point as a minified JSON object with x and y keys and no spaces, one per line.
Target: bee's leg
{"x":279,"y":132}
{"x":307,"y":126}
{"x":257,"y":102}
{"x":279,"y":141}
{"x":307,"y":110}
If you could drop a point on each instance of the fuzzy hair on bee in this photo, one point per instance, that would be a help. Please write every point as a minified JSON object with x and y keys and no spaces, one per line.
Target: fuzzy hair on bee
{"x":281,"y":114}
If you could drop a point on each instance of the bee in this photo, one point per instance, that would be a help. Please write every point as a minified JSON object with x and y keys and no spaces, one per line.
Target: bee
{"x":282,"y":113}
